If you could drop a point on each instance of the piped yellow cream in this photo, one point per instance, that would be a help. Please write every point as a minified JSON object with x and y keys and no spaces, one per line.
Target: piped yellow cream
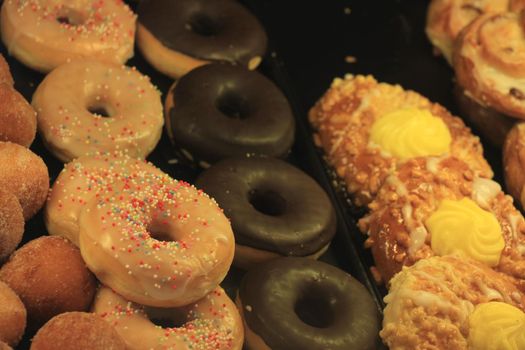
{"x":462,"y":226}
{"x":409,"y":133}
{"x":496,"y":326}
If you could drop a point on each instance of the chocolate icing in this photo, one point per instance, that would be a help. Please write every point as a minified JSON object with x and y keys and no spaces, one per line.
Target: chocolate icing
{"x":272,"y":205}
{"x":299,"y":303}
{"x":218,"y":30}
{"x":222,"y":110}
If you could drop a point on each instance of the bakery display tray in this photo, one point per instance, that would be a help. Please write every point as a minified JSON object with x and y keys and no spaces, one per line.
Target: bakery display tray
{"x":346,"y":249}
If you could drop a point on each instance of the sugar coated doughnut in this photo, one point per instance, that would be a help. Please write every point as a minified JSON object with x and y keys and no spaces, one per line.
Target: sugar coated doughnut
{"x":44,"y":34}
{"x":160,"y":242}
{"x":5,"y":72}
{"x":77,"y":331}
{"x":219,"y":111}
{"x":12,"y":316}
{"x":212,"y":322}
{"x":85,"y":178}
{"x":11,"y":223}
{"x":4,"y":346}
{"x":178,"y":36}
{"x":17,"y":117}
{"x":275,"y":209}
{"x":26,"y":177}
{"x":298,"y":303}
{"x":50,"y":277}
{"x":88,"y":106}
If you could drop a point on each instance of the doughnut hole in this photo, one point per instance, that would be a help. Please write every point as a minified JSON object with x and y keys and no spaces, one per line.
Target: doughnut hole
{"x":50,"y":277}
{"x":166,"y":318}
{"x":26,"y":177}
{"x":100,"y":107}
{"x":12,"y":316}
{"x":161,"y":231}
{"x":203,"y":24}
{"x":11,"y":224}
{"x":267,"y":202}
{"x":77,"y":330}
{"x":315,"y":307}
{"x":70,"y":16}
{"x":233,"y":105}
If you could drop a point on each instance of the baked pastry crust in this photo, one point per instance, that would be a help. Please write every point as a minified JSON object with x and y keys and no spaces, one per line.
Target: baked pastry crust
{"x":342,"y":120}
{"x":514,"y":163}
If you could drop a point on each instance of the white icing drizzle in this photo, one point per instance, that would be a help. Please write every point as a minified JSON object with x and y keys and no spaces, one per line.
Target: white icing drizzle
{"x":399,"y":186}
{"x":484,"y":190}
{"x":513,"y":221}
{"x":491,"y":294}
{"x":433,"y":164}
{"x":418,"y":237}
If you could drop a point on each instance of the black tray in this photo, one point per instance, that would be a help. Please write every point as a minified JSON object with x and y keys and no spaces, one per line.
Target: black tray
{"x":343,"y":252}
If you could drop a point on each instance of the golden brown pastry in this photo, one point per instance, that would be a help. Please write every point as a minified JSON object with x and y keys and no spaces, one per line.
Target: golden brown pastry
{"x":77,"y":331}
{"x":514,"y":163}
{"x":50,"y":277}
{"x":489,"y":62}
{"x":5,"y":72}
{"x":453,"y":303}
{"x":446,"y":18}
{"x":11,"y":223}
{"x":17,"y":117}
{"x":367,"y":128}
{"x":12,"y":316}
{"x":438,"y":206}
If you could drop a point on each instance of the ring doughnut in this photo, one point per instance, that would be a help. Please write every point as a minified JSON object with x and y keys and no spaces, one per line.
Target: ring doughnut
{"x":178,"y":36}
{"x":297,"y":303}
{"x":452,"y":212}
{"x":86,"y":107}
{"x":219,"y":111}
{"x":275,"y":209}
{"x":85,"y":178}
{"x":44,"y":34}
{"x":161,"y":243}
{"x":210,"y":323}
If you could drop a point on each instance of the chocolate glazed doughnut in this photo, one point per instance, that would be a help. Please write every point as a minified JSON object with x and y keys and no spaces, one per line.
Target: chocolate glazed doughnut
{"x":297,"y":303}
{"x":275,"y":209}
{"x":177,"y":36}
{"x":219,"y":111}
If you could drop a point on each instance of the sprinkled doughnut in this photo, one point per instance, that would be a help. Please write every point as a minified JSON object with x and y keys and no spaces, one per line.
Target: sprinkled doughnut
{"x":298,"y":303}
{"x":77,"y":330}
{"x":88,"y":106}
{"x":12,"y":316}
{"x":219,"y":111}
{"x":178,"y":36}
{"x":85,"y":178}
{"x":160,"y":242}
{"x":26,"y":177}
{"x":211,"y":323}
{"x":276,"y":210}
{"x":44,"y":34}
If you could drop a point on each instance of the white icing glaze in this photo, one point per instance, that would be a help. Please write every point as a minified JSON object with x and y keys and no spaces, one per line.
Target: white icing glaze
{"x":484,"y":190}
{"x":418,"y":237}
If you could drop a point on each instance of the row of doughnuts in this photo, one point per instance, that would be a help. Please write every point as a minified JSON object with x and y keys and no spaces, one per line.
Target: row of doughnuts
{"x":431,"y":205}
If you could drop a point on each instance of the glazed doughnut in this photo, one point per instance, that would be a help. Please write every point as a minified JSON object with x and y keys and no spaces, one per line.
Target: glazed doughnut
{"x":26,"y":177}
{"x":297,"y":303}
{"x":437,"y":206}
{"x":11,"y":224}
{"x":211,"y":323}
{"x":12,"y":316}
{"x":17,"y":117}
{"x":446,"y":18}
{"x":76,"y":331}
{"x":178,"y":36}
{"x":48,"y":274}
{"x":453,"y":303}
{"x":44,"y":34}
{"x":219,"y":111}
{"x":514,"y":163}
{"x":85,"y":178}
{"x":488,"y":68}
{"x":160,"y":243}
{"x":366,"y":128}
{"x":275,"y":209}
{"x":73,"y":100}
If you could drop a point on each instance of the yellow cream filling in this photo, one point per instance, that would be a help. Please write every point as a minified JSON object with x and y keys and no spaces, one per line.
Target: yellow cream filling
{"x":462,"y":226}
{"x":496,"y":326}
{"x":409,"y":133}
